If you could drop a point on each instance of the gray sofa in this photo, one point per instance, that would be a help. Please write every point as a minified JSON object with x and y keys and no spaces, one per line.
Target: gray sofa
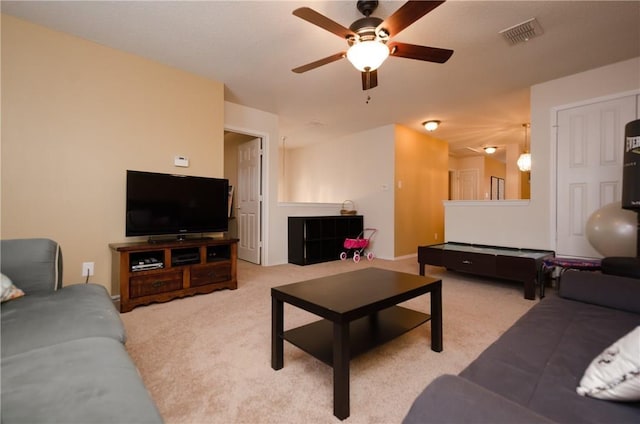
{"x":531,"y":372}
{"x":63,"y":354}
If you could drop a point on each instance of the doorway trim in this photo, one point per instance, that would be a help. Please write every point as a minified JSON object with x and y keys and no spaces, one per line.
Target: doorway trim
{"x":264,"y":183}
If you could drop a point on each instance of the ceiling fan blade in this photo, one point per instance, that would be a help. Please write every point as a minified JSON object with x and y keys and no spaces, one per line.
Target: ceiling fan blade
{"x":369,"y":79}
{"x":411,"y":51}
{"x":318,"y":63}
{"x":323,"y":22}
{"x":408,"y":13}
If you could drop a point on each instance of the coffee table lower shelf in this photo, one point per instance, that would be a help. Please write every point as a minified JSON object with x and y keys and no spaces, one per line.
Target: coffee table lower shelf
{"x":365,"y":333}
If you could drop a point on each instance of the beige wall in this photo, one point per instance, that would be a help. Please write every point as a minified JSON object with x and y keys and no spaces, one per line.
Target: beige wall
{"x":471,"y":162}
{"x":525,"y":185}
{"x":492,"y":168}
{"x":75,"y":116}
{"x":514,"y":181}
{"x":421,"y":184}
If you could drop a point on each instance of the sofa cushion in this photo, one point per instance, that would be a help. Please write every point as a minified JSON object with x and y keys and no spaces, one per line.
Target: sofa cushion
{"x":539,"y":361}
{"x":615,"y":373}
{"x":34,"y":265}
{"x":622,"y":266}
{"x":604,"y":290}
{"x":8,"y":290}
{"x":74,"y":312}
{"x":81,"y":381}
{"x":451,"y":399}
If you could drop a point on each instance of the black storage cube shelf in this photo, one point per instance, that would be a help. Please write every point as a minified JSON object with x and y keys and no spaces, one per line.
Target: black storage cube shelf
{"x":314,"y":239}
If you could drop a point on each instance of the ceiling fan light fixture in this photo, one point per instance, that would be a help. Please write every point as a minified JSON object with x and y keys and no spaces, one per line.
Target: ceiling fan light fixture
{"x":431,"y":125}
{"x":490,"y":150}
{"x":367,"y":55}
{"x":367,"y":38}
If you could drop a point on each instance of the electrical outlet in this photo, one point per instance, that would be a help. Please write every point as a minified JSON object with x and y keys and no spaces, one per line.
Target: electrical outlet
{"x":435,"y":236}
{"x":87,"y":267}
{"x":182,"y":161}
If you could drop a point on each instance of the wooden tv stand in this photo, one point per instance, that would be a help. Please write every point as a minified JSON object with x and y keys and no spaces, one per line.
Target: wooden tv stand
{"x":150,"y":272}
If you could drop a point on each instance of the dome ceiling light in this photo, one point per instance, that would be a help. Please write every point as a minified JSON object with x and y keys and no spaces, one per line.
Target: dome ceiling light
{"x":431,"y":125}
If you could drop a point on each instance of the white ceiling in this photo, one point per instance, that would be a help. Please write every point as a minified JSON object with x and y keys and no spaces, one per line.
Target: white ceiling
{"x":481,"y":94}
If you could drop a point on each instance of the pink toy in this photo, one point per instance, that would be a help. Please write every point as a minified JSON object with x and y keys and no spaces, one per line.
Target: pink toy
{"x":358,"y":245}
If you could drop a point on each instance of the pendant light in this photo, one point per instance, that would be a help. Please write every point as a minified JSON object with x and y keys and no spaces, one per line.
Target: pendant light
{"x":524,"y":161}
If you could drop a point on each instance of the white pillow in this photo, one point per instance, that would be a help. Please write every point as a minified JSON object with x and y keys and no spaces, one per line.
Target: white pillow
{"x":615,"y":373}
{"x":8,"y":291}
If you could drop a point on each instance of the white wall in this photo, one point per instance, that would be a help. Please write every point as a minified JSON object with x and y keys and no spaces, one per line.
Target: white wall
{"x":251,"y":121}
{"x":488,"y":224}
{"x":358,"y":167}
{"x":493,"y":222}
{"x":609,"y":80}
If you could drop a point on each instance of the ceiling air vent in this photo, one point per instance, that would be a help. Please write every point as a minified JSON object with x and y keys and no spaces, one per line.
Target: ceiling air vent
{"x":522,"y":32}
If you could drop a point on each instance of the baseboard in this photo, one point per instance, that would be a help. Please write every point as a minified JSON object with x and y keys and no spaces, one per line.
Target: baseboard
{"x":400,"y":258}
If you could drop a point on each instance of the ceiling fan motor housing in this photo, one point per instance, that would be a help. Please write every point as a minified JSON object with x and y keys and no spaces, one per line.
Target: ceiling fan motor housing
{"x":366,"y":29}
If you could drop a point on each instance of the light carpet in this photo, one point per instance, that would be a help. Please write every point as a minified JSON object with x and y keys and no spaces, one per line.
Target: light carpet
{"x":207,"y":358}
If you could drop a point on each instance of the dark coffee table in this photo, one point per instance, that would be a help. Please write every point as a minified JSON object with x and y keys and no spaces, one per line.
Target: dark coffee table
{"x":523,"y":265}
{"x":360,"y":312}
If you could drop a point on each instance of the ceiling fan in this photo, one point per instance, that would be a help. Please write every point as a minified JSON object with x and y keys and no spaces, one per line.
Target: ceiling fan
{"x":368,"y":38}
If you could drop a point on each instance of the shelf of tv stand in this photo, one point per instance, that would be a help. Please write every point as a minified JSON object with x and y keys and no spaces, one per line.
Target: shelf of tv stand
{"x":189,"y":267}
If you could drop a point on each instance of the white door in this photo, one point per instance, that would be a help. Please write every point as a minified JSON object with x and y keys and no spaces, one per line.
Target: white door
{"x":468,"y":184}
{"x":590,"y":149}
{"x":249,"y":200}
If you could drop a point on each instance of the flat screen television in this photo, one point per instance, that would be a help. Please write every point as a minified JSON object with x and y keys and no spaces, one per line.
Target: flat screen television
{"x":169,"y":204}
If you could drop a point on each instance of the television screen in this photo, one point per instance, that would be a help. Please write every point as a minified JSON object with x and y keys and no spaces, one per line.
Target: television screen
{"x":175,"y":204}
